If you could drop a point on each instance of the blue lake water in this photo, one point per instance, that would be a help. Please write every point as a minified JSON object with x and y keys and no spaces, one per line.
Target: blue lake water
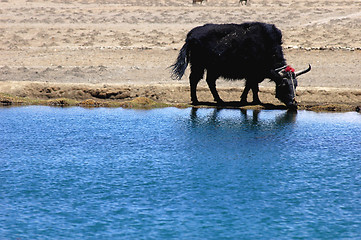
{"x":75,"y":173}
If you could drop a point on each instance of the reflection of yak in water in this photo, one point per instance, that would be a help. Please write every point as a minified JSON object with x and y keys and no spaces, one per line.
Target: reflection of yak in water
{"x":251,"y":51}
{"x":246,"y":120}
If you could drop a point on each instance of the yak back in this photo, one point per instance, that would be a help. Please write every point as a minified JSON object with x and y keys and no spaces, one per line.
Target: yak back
{"x":236,"y":51}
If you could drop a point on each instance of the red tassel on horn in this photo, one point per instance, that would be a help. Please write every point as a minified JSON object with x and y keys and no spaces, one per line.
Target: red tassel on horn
{"x":289,"y":69}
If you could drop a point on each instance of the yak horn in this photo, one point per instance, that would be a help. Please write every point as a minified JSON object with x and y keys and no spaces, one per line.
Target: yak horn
{"x":303,"y":71}
{"x":281,"y":68}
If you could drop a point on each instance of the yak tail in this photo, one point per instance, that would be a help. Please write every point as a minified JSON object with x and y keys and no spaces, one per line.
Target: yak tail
{"x":179,"y":67}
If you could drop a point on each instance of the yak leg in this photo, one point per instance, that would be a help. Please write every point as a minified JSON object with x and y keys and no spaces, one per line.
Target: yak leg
{"x":194,"y":77}
{"x":211,"y":81}
{"x":245,"y":93}
{"x":254,"y":86}
{"x":255,"y":91}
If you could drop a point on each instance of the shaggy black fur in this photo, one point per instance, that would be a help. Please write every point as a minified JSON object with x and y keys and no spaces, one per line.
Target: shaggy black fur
{"x":234,"y":51}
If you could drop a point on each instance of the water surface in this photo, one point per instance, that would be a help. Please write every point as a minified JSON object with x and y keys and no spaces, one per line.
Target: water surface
{"x":75,"y":173}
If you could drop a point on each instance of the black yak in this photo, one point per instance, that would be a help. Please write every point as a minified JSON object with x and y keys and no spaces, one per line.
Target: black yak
{"x":241,"y":2}
{"x":235,"y":51}
{"x":201,"y":1}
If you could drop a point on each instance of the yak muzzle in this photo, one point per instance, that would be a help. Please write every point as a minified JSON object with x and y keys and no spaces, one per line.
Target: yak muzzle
{"x":292,"y":105}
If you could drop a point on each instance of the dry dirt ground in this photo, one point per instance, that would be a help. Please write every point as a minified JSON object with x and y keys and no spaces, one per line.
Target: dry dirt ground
{"x":117,"y":50}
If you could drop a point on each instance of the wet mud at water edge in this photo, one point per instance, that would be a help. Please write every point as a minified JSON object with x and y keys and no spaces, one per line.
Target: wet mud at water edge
{"x":115,"y":95}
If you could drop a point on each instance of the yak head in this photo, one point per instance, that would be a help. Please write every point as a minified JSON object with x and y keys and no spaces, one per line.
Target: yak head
{"x":286,"y":86}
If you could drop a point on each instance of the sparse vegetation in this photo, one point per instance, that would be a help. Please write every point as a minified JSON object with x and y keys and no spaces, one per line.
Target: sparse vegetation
{"x":147,"y":103}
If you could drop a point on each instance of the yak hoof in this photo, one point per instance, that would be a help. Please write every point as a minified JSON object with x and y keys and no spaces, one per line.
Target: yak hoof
{"x":244,"y":102}
{"x":220,"y":102}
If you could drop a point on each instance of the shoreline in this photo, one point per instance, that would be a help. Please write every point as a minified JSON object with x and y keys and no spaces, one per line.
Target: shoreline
{"x":172,"y":95}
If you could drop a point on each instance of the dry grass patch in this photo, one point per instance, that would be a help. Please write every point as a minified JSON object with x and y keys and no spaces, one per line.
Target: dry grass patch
{"x":142,"y":102}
